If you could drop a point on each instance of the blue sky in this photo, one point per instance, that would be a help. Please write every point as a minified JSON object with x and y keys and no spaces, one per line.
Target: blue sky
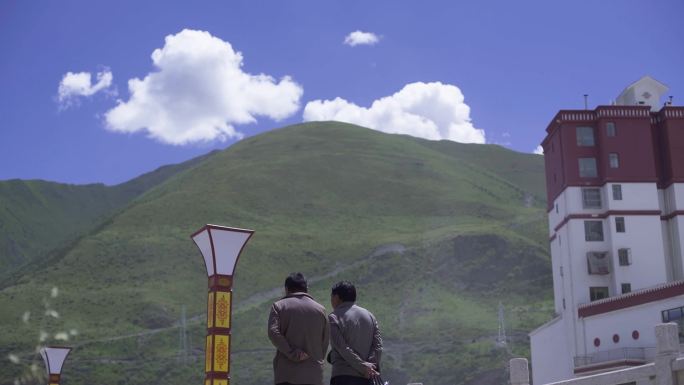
{"x":514,"y":64}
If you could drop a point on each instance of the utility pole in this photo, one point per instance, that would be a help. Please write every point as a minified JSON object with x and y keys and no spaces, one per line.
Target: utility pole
{"x":501,"y":340}
{"x":183,"y":339}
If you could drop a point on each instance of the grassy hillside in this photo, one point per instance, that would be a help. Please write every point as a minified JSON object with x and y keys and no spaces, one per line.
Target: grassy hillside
{"x":435,"y":234}
{"x":38,"y":216}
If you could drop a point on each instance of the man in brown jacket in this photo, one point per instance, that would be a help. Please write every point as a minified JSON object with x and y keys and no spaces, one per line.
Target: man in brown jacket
{"x":298,"y":328}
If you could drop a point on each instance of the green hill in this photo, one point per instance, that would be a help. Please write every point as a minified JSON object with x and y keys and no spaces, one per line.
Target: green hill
{"x":434,"y":234}
{"x":38,"y":216}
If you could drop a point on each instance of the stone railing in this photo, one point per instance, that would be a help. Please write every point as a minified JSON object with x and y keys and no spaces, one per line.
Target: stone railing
{"x":667,"y":367}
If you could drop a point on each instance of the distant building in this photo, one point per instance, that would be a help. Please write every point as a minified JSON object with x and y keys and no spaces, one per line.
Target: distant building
{"x":615,"y":188}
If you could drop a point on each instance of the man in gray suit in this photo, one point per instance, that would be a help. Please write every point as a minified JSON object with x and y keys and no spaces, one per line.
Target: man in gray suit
{"x":354,"y":338}
{"x":298,"y":328}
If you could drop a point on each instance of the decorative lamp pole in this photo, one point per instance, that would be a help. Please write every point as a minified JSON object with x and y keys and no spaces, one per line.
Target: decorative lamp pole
{"x":221,"y":247}
{"x":54,"y":357}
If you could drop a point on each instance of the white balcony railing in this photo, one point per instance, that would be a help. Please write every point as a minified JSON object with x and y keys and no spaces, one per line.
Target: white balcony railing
{"x":639,"y":354}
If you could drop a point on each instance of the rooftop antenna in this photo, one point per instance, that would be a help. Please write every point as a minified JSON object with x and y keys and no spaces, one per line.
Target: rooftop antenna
{"x":586,"y":101}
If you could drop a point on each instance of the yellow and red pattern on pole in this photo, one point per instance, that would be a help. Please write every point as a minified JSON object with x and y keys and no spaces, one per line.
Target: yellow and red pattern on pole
{"x":54,"y":379}
{"x":220,"y":247}
{"x":217,"y":362}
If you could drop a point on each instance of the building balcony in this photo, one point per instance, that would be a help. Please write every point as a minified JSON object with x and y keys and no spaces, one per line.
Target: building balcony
{"x":612,"y":359}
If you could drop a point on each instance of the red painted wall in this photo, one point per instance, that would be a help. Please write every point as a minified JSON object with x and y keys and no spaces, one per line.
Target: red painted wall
{"x":671,"y":147}
{"x":650,"y":147}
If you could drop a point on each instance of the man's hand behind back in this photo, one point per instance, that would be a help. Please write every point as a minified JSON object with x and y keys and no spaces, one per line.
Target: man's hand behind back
{"x":300,"y":355}
{"x":370,"y":370}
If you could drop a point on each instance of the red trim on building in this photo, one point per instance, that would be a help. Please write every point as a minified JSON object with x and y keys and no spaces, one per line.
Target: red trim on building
{"x":634,"y":298}
{"x":608,"y":365}
{"x":605,"y":215}
{"x":665,"y":185}
{"x":671,"y":215}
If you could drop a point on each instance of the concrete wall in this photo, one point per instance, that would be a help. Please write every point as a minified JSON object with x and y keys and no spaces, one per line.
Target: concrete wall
{"x":623,"y":323}
{"x":546,"y":342}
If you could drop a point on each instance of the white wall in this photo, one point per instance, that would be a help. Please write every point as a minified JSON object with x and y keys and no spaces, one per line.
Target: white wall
{"x":550,"y":360}
{"x":642,"y":318}
{"x":643,"y":236}
{"x":555,"y":344}
{"x":679,"y":196}
{"x":676,"y":233}
{"x":556,"y":217}
{"x":558,"y":270}
{"x":673,"y":198}
{"x":579,"y":247}
{"x":635,"y":196}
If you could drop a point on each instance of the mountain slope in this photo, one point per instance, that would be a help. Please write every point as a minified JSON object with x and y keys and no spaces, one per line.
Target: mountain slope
{"x":433,"y":237}
{"x":38,"y":216}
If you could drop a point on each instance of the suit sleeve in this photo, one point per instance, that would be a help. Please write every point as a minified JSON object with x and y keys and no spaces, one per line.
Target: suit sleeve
{"x":277,"y":338}
{"x":338,"y":343}
{"x":326,"y":335}
{"x":376,"y":345}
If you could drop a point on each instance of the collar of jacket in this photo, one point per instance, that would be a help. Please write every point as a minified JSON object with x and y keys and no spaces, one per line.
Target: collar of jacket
{"x":345,"y":305}
{"x":298,"y":294}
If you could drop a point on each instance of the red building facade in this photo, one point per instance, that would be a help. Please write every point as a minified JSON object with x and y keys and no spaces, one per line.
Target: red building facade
{"x":629,"y":144}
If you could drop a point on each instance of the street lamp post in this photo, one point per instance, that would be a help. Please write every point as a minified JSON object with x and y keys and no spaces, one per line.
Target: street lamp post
{"x":54,"y":357}
{"x":221,"y":247}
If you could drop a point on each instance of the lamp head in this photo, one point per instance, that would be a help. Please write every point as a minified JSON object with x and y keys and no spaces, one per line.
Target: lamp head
{"x":221,"y":247}
{"x":54,"y":357}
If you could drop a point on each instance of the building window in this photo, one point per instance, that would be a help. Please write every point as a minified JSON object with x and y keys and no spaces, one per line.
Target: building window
{"x":561,"y":271}
{"x":587,"y":167}
{"x":614,"y":160}
{"x":626,"y":288}
{"x":585,"y":136}
{"x":598,"y":263}
{"x":610,"y":129}
{"x":593,"y":231}
{"x":556,"y":208}
{"x":675,"y":315}
{"x":620,"y":224}
{"x":617,"y":192}
{"x":625,"y":257}
{"x":598,"y":292}
{"x":591,"y":198}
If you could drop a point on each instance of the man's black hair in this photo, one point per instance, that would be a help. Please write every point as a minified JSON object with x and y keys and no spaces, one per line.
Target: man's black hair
{"x":345,"y":290}
{"x":296,"y":282}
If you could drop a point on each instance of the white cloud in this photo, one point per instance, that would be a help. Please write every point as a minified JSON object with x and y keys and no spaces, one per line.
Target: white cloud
{"x":75,"y":85}
{"x":199,"y":92}
{"x":539,"y":150}
{"x":361,"y":38}
{"x":427,"y":110}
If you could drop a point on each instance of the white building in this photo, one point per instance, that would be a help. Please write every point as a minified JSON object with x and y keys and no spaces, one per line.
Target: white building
{"x":615,"y":187}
